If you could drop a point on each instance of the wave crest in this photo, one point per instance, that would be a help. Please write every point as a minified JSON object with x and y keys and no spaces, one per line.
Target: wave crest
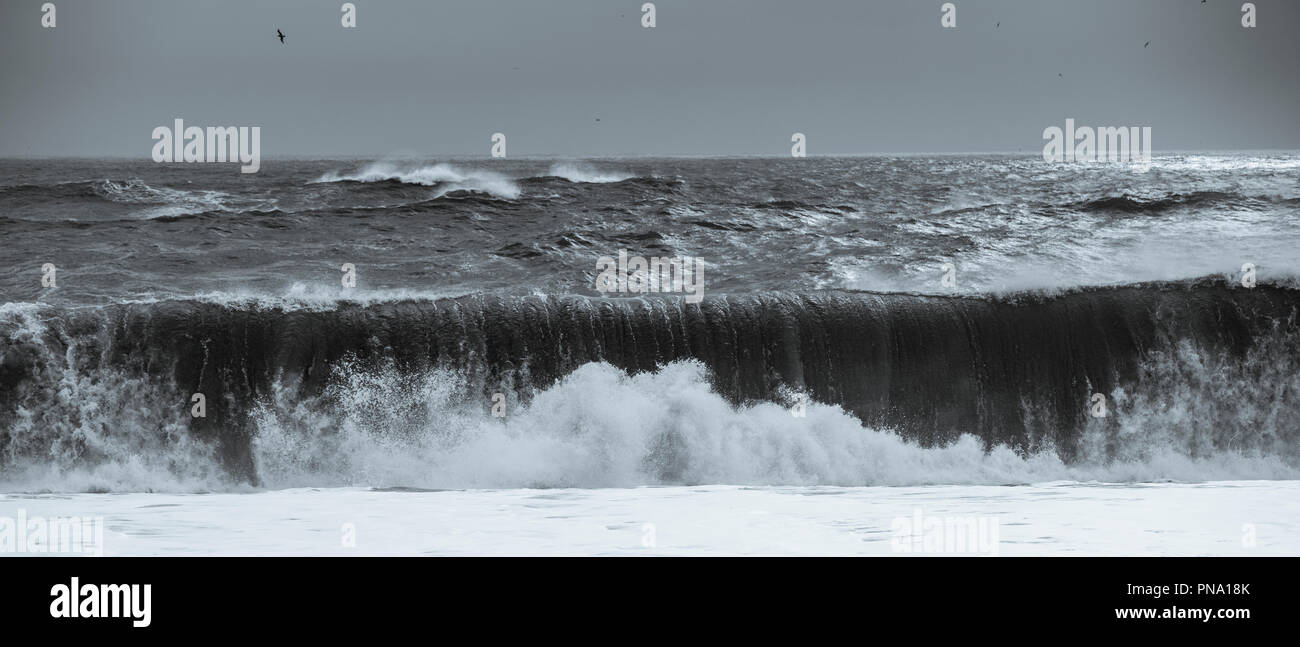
{"x":585,"y":173}
{"x":445,"y":177}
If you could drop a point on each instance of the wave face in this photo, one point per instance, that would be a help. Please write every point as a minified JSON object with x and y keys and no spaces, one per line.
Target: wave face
{"x":1200,"y":379}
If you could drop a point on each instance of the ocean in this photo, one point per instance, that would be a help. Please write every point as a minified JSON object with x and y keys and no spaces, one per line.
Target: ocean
{"x":416,"y":356}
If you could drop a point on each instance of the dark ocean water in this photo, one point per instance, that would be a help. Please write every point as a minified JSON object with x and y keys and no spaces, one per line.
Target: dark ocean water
{"x":822,"y":279}
{"x":138,"y":230}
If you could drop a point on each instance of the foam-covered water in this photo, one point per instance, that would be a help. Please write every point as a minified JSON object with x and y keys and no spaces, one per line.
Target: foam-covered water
{"x":1232,"y":518}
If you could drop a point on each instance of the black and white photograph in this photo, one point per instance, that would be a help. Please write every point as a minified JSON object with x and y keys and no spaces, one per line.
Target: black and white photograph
{"x":891,"y":279}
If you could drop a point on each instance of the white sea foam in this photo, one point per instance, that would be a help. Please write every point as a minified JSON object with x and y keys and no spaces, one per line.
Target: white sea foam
{"x":596,"y":428}
{"x":582,"y":172}
{"x":307,"y":297}
{"x":445,"y":177}
{"x":163,"y":202}
{"x":1235,"y":518}
{"x":602,"y":428}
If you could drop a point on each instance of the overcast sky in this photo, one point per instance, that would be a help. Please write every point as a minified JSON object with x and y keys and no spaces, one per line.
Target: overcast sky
{"x":714,"y":77}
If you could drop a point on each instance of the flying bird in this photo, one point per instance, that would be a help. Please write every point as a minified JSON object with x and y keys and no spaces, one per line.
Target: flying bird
{"x":997,"y":25}
{"x":281,"y":35}
{"x":1145,"y":46}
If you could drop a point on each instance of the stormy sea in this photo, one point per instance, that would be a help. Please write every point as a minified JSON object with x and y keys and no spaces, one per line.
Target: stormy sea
{"x":415,"y":356}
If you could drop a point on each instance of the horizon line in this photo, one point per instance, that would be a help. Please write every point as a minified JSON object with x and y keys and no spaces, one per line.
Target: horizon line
{"x":553,"y":156}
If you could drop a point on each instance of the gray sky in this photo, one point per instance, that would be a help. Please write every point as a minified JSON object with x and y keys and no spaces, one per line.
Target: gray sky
{"x":714,"y":77}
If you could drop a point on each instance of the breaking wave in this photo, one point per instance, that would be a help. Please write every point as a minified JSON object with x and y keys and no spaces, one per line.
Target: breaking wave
{"x":444,"y":177}
{"x":1201,"y":381}
{"x":579,"y":172}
